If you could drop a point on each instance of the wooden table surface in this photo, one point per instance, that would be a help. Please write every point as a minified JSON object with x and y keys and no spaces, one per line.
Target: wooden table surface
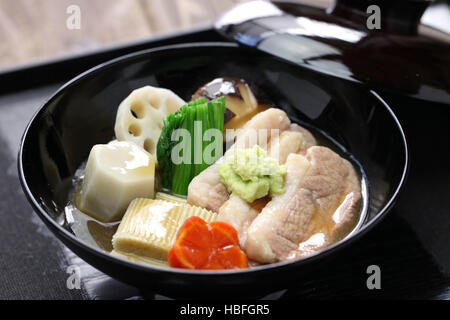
{"x":33,"y":30}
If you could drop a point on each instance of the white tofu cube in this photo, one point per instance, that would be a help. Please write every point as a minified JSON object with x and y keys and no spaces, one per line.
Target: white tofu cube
{"x":116,"y":174}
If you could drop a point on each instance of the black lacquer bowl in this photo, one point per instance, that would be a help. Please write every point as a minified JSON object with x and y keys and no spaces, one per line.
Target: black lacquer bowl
{"x":82,"y":114}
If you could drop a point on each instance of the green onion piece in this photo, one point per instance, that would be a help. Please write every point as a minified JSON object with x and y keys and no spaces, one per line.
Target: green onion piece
{"x":197,"y":117}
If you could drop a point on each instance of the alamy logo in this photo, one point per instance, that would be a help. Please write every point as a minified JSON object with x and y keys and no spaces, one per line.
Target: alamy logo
{"x":374,"y":20}
{"x":197,"y":149}
{"x":73,"y":22}
{"x":74,"y":279}
{"x":374,"y":280}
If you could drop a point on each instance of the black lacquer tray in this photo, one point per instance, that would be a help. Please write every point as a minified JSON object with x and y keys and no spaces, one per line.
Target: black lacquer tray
{"x":410,"y":246}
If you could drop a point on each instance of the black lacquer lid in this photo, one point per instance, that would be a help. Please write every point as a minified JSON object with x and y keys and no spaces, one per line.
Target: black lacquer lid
{"x":397,"y":52}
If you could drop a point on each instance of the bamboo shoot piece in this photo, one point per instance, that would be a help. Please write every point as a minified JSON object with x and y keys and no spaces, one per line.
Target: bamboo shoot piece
{"x":149,"y":227}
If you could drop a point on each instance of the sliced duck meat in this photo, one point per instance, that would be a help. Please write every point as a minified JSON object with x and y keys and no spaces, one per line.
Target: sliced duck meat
{"x":308,"y":138}
{"x":319,"y":186}
{"x":240,"y":213}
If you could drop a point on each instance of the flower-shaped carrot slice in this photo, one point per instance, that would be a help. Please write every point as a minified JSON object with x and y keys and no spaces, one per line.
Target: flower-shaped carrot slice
{"x":200,"y":245}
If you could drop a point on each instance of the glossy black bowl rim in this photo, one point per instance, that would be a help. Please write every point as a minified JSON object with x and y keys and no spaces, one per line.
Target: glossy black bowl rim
{"x":279,"y":266}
